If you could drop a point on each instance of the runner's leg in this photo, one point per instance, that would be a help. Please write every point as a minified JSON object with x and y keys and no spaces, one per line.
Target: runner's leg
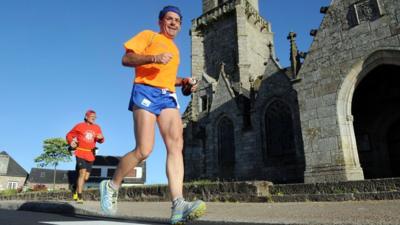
{"x":144,"y":123}
{"x":171,"y":130}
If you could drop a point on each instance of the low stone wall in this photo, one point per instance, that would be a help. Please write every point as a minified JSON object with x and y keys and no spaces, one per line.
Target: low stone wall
{"x":256,"y":191}
{"x":216,"y":191}
{"x":362,"y":186}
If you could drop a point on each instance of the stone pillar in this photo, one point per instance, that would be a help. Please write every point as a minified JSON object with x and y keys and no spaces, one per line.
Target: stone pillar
{"x":209,"y":4}
{"x":254,"y":3}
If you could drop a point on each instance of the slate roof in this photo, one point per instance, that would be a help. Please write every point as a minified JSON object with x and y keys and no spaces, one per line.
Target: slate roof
{"x":13,"y":169}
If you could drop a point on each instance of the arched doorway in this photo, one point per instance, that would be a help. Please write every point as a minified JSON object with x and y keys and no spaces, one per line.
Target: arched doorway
{"x":226,"y":149}
{"x":376,"y":112}
{"x":279,"y":152}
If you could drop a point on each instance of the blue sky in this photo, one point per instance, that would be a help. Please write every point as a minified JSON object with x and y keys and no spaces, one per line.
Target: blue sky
{"x":59,"y":58}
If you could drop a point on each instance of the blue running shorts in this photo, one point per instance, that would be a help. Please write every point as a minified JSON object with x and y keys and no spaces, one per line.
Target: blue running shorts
{"x":152,"y":99}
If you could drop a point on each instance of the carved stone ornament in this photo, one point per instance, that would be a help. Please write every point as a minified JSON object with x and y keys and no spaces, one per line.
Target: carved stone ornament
{"x":228,"y":7}
{"x":363,"y":11}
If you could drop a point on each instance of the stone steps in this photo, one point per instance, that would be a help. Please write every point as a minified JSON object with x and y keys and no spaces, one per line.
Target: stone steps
{"x":376,"y":189}
{"x":362,"y":186}
{"x":387,"y":195}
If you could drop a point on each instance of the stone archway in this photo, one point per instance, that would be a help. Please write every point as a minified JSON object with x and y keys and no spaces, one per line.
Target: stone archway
{"x":375,"y":109}
{"x":381,"y":59}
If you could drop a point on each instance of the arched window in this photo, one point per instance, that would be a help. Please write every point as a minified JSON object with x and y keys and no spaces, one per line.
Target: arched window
{"x":279,"y":131}
{"x":226,"y":146}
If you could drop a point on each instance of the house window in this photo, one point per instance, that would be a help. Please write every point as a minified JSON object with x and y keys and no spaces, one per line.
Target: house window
{"x":96,"y":172}
{"x":110,"y":172}
{"x":42,"y":174}
{"x":135,"y":173}
{"x":138,"y":172}
{"x":12,"y":185}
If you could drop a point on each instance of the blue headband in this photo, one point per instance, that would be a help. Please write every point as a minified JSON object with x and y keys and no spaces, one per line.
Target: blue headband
{"x":169,"y":8}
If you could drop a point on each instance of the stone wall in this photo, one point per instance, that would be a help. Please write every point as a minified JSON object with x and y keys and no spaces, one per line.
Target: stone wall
{"x":380,"y":189}
{"x":354,"y":38}
{"x":350,"y":33}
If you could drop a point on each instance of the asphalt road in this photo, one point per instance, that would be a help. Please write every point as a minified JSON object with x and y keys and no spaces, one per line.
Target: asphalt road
{"x":11,"y":217}
{"x":18,"y":217}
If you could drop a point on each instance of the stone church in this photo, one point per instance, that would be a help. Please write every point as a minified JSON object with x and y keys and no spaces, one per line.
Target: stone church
{"x":333,"y":115}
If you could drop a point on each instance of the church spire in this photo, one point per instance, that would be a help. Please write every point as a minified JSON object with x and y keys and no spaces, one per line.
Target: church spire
{"x":295,"y":55}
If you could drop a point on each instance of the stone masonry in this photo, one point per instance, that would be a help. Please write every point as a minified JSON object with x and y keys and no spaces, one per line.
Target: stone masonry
{"x":251,"y":119}
{"x":355,"y":37}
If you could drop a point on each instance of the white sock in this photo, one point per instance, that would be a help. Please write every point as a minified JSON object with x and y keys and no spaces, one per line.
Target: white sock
{"x":113,"y":186}
{"x":177,"y":200}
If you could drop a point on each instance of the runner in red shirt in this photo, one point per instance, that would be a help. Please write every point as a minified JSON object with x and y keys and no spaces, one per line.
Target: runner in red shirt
{"x":82,"y":138}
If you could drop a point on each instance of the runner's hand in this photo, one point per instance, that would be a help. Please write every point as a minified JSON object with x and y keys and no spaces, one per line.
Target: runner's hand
{"x":162,"y":58}
{"x":195,"y":84}
{"x":74,"y":144}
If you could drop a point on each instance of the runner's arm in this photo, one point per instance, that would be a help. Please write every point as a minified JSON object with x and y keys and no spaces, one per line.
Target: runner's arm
{"x":100,"y":137}
{"x":71,"y":135}
{"x":131,"y":59}
{"x":178,"y":81}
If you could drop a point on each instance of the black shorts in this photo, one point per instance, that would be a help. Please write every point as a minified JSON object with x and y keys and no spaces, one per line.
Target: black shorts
{"x":83,"y":164}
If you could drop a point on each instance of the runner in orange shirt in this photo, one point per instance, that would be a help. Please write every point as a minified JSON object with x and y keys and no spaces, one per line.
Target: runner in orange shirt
{"x":155,"y":58}
{"x":82,"y":138}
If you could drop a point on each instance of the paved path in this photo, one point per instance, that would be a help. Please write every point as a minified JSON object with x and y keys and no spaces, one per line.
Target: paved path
{"x":310,"y":213}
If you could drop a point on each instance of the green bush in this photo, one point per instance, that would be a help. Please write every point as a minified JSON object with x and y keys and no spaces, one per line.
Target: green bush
{"x":9,"y":192}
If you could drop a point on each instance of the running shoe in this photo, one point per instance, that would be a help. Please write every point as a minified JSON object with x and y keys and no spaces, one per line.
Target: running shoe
{"x":185,"y":211}
{"x":108,"y":198}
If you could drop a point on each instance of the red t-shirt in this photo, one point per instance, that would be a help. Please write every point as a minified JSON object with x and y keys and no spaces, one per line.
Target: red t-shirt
{"x":86,"y":135}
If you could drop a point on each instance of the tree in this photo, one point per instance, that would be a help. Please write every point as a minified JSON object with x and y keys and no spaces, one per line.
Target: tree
{"x":55,"y":151}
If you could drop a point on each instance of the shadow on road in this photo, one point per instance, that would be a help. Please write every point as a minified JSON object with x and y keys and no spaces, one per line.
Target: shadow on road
{"x":48,"y":207}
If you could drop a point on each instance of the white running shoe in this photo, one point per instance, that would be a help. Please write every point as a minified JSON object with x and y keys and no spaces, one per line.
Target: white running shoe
{"x":108,"y":198}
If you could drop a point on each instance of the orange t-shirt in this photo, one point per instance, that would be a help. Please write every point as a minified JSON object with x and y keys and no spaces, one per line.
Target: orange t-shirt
{"x":157,"y":75}
{"x":86,"y":134}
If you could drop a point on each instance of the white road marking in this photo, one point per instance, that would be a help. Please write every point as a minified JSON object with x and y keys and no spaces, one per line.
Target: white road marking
{"x":97,"y":222}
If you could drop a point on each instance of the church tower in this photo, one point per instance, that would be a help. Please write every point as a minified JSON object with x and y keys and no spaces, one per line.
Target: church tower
{"x":229,"y":36}
{"x":225,"y":134}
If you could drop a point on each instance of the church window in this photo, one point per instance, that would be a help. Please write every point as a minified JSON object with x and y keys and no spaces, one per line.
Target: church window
{"x":279,"y":131}
{"x":226,"y":143}
{"x":204,"y":103}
